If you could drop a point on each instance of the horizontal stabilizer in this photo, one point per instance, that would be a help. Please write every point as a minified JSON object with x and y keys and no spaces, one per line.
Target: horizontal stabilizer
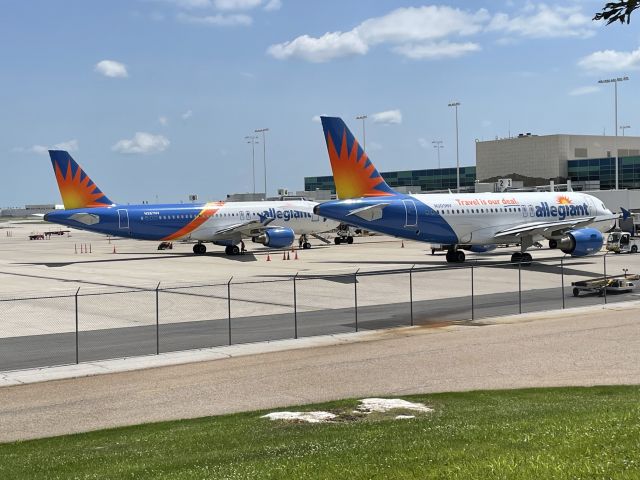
{"x":369,"y":213}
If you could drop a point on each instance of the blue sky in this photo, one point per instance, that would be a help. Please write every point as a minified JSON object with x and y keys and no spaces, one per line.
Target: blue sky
{"x":154,"y":97}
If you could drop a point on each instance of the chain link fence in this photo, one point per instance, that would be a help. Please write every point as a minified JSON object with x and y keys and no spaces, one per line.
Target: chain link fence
{"x":87,"y":325}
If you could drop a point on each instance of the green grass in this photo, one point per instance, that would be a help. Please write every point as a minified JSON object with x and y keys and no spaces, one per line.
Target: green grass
{"x":539,"y":434}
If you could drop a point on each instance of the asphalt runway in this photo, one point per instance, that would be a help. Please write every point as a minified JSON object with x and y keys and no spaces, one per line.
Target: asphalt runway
{"x":60,"y":349}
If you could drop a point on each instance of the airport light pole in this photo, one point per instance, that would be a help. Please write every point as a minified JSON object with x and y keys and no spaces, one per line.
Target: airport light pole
{"x":438,"y":144}
{"x":615,"y":103}
{"x":623,"y":128}
{"x":253,"y":139}
{"x":364,"y":133}
{"x":264,"y":156}
{"x":456,"y":105}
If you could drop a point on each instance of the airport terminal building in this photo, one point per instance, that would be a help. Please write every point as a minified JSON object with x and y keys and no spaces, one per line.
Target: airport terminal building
{"x":414,"y":181}
{"x":587,"y":160}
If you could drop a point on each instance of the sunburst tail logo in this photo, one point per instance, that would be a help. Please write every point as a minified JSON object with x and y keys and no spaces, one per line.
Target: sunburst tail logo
{"x":353,"y":173}
{"x":76,"y":188}
{"x":563,"y":200}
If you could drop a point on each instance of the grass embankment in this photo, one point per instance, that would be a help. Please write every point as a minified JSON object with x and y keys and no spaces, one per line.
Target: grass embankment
{"x":537,"y":434}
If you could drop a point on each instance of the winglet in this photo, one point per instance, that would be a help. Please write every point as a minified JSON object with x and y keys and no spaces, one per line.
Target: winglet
{"x":625,"y":213}
{"x":76,"y":188}
{"x":354,"y":174}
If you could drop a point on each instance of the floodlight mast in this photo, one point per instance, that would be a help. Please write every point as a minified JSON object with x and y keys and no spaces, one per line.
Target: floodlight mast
{"x":456,"y":105}
{"x":615,"y":104}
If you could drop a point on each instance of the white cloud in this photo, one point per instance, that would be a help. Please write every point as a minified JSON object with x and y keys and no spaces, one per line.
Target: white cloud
{"x":236,"y":4}
{"x":611,"y":61}
{"x":436,"y":50}
{"x":423,"y":143}
{"x":186,"y":115}
{"x":416,"y":24}
{"x":387,"y":117}
{"x":164,"y":121}
{"x":327,"y":47}
{"x":273,"y":5}
{"x":413,"y":25}
{"x":217,"y":20}
{"x":544,"y":21}
{"x":142,"y":142}
{"x":69,"y":146}
{"x":584,"y":90}
{"x":111,"y":68}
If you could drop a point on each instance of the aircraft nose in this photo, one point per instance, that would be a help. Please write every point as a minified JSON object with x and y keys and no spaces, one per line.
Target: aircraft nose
{"x":316,"y":209}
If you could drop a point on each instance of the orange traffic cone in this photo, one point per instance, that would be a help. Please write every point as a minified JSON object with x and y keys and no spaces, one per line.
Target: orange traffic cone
{"x":402,"y":246}
{"x":296,"y":257}
{"x":114,"y":249}
{"x":288,"y":258}
{"x":89,"y":248}
{"x":268,"y":258}
{"x":284,"y":255}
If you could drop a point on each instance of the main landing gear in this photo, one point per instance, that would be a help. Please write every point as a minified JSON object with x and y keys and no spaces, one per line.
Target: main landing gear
{"x":521,"y":257}
{"x":303,"y":242}
{"x":455,"y":256}
{"x":348,"y":239}
{"x":232,"y":250}
{"x":199,"y":249}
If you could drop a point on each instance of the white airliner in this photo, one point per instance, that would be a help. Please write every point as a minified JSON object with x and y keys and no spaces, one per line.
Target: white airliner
{"x":272,"y":223}
{"x":572,"y":222}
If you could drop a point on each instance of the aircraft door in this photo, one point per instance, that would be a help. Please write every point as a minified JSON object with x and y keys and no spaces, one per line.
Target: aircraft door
{"x":525,"y":212}
{"x":411,"y":213}
{"x":123,"y":219}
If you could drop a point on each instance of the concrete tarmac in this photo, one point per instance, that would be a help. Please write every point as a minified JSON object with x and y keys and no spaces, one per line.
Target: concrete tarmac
{"x":586,"y":346}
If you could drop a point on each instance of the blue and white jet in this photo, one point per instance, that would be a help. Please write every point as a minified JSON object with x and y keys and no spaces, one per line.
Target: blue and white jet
{"x":271,"y":223}
{"x":572,"y":222}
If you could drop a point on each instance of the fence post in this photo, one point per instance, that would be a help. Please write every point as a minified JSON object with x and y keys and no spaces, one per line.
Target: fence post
{"x":355,"y":295}
{"x":295,"y":307}
{"x":604,"y":260}
{"x":158,"y":319}
{"x":411,"y":291}
{"x":77,"y":347}
{"x":562,"y":278}
{"x":473,"y":307}
{"x":229,"y":305}
{"x":520,"y":286}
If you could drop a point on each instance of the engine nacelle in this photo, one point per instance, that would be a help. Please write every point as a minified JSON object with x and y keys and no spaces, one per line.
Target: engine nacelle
{"x":581,"y":242}
{"x":276,"y":237}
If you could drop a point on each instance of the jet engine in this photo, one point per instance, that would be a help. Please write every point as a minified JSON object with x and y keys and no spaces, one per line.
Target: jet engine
{"x":276,"y":237}
{"x":581,"y":242}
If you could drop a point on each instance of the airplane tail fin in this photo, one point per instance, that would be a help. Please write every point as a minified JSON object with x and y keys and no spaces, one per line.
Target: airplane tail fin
{"x":353,"y":173}
{"x":76,"y":188}
{"x":625,"y":213}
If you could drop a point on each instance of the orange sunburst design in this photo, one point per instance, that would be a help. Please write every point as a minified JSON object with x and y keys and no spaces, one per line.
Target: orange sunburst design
{"x":77,"y":192}
{"x":205,"y":214}
{"x":352,"y":175}
{"x":563,"y":200}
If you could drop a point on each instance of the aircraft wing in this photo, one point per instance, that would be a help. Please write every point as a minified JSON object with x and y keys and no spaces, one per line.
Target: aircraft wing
{"x":369,"y":213}
{"x":249,"y":228}
{"x":556,"y":227}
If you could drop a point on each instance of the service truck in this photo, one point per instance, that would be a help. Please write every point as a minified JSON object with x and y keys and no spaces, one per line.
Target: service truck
{"x":623,"y":242}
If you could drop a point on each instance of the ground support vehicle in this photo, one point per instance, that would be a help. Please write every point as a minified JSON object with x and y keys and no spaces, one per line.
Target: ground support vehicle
{"x":617,"y":284}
